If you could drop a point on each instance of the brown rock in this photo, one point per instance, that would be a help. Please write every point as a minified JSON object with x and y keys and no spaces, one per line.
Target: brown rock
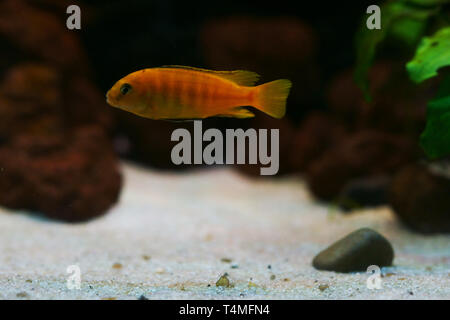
{"x":397,"y":105}
{"x":30,"y":101}
{"x":71,"y":179}
{"x":40,"y":35}
{"x":317,"y":134}
{"x":356,"y":252}
{"x":40,"y":99}
{"x":84,"y":104}
{"x":364,"y":153}
{"x":419,"y":194}
{"x":223,"y":282}
{"x":345,"y":98}
{"x":55,"y":155}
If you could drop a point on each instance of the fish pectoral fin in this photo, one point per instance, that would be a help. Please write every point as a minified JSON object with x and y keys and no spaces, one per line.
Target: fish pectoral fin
{"x":240,"y":77}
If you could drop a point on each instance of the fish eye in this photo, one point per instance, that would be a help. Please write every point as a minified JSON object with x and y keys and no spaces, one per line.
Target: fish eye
{"x":125,"y":88}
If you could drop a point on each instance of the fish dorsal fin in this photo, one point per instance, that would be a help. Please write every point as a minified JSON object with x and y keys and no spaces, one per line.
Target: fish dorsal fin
{"x":240,"y":77}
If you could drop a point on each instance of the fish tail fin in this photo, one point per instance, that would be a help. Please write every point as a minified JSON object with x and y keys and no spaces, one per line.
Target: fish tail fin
{"x":271,"y":97}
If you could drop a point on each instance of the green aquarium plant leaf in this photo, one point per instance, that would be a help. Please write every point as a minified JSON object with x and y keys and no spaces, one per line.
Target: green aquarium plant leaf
{"x":435,"y":140}
{"x":367,"y":40}
{"x":408,"y":31}
{"x":432,"y":54}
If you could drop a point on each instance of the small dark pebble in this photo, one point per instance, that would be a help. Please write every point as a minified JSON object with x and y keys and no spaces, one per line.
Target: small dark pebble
{"x":223,"y":281}
{"x":226,"y":260}
{"x":323,"y":287}
{"x":142,"y":297}
{"x":424,"y":208}
{"x":117,"y":266}
{"x":411,"y":293}
{"x":385,"y":275}
{"x":22,"y":295}
{"x":234,"y":266}
{"x":269,"y":267}
{"x":356,"y":252}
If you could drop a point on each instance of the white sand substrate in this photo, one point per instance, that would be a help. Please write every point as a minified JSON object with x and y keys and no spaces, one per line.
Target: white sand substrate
{"x":170,"y":232}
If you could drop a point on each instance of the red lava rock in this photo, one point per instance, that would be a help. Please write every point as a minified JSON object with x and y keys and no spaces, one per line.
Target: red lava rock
{"x":317,"y":134}
{"x":397,"y":105}
{"x":55,"y":155}
{"x":30,"y":99}
{"x":71,"y":179}
{"x":35,"y":99}
{"x":362,"y":154}
{"x":40,"y":35}
{"x":343,"y":95}
{"x":419,"y":195}
{"x":80,"y":93}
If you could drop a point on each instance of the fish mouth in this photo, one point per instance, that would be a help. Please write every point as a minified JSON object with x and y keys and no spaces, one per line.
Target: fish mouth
{"x":113,"y":102}
{"x":109,"y":100}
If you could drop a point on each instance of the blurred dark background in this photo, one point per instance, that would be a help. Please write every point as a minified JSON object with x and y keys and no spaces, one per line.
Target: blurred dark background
{"x":60,"y":142}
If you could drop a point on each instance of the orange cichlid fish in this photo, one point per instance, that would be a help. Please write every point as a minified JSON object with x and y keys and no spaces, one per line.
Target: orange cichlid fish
{"x":179,"y":92}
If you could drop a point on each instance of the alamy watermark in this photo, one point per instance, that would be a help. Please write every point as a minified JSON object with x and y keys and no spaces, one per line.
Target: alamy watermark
{"x":236,"y":142}
{"x":74,"y":20}
{"x":374,"y":281}
{"x":74,"y":280}
{"x":374,"y":20}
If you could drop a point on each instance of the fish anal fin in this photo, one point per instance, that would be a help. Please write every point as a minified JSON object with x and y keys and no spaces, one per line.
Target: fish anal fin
{"x":240,"y":113}
{"x":240,"y":77}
